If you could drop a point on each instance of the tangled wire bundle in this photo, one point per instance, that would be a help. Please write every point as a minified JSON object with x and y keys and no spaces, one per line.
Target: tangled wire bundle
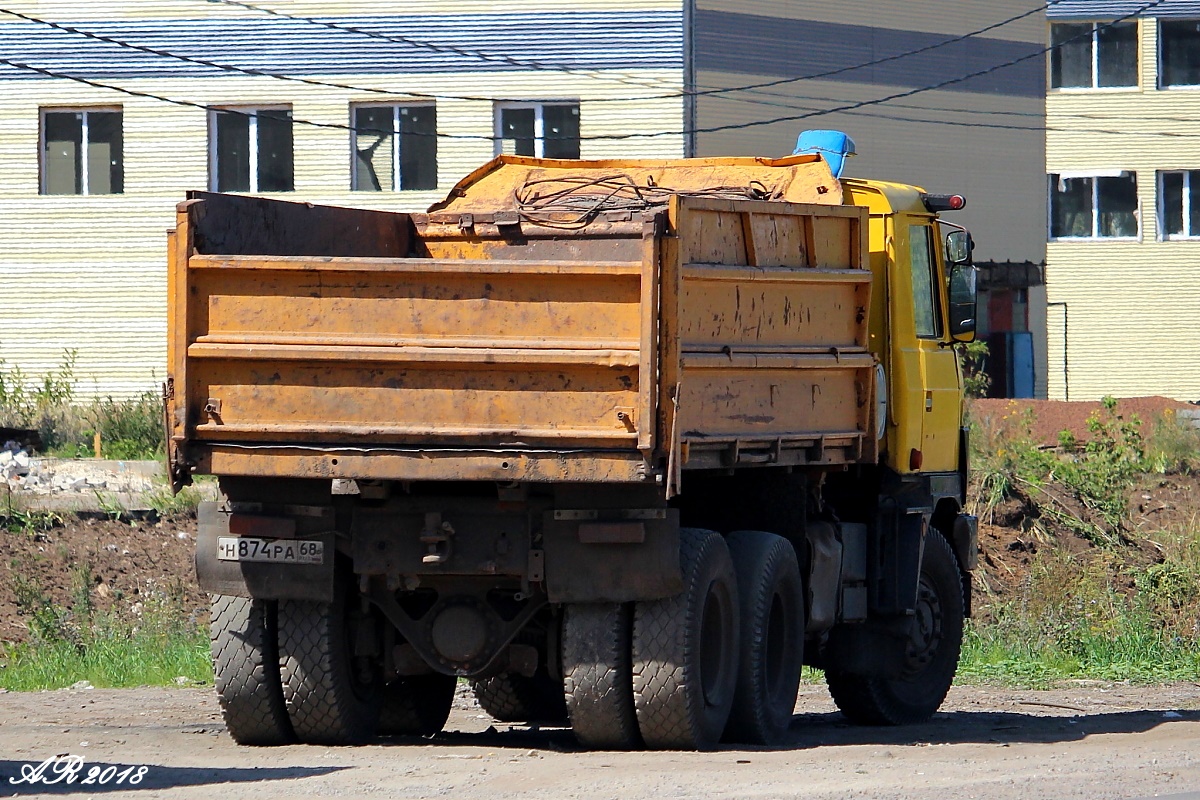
{"x":574,"y":201}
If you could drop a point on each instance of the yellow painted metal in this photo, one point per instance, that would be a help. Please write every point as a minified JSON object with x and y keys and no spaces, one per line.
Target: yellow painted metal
{"x":925,"y":408}
{"x":796,"y":179}
{"x":707,"y":329}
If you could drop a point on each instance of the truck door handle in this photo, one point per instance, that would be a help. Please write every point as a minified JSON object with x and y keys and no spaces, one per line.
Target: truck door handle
{"x":928,"y":401}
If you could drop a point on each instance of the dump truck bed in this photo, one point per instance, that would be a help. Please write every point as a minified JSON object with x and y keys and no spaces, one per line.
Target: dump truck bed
{"x":527,"y":329}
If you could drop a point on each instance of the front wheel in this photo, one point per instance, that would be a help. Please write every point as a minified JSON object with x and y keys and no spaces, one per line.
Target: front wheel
{"x":931,"y":653}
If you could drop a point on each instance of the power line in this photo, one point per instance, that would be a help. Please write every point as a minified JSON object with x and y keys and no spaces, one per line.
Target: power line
{"x":628,"y":136}
{"x":686,"y":93}
{"x":439,"y":48}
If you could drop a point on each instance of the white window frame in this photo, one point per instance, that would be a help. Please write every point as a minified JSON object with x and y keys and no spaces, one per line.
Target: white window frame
{"x":539,"y":123}
{"x":252,"y":112}
{"x":1163,"y":236}
{"x":1096,"y":87}
{"x":84,"y":177}
{"x":397,"y":183}
{"x":1095,"y":235}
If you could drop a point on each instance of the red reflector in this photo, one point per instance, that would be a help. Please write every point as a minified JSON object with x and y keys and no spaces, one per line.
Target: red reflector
{"x":915,"y":459}
{"x":266,"y":527}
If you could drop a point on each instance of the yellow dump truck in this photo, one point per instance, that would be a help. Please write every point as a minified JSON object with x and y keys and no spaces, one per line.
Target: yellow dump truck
{"x":622,"y":442}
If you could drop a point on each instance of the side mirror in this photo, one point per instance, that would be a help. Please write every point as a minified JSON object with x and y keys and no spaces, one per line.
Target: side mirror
{"x":963,"y":301}
{"x":958,"y":247}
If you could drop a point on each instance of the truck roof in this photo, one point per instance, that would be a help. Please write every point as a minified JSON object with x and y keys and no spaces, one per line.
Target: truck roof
{"x":884,"y":197}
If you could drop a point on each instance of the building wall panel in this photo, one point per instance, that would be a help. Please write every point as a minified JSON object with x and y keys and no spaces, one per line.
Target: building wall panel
{"x":1124,"y":300}
{"x":88,"y":273}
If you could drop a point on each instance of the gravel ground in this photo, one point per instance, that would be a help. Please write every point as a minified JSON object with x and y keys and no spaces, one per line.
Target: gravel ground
{"x":1088,"y":740}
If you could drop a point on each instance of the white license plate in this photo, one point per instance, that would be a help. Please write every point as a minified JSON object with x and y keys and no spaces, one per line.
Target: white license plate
{"x":275,"y":551}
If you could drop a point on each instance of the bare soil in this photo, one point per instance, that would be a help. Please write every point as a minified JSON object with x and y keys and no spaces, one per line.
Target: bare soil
{"x":1089,"y":741}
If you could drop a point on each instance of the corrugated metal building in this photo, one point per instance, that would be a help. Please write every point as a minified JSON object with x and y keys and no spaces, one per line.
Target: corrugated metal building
{"x":1123,"y":165}
{"x":386,"y":107}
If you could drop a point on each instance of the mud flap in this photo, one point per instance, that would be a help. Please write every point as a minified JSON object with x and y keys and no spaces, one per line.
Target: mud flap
{"x":592,"y":559}
{"x":259,"y":580}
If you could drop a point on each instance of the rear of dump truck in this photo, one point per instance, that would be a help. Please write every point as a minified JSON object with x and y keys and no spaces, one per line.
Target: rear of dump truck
{"x":572,"y":434}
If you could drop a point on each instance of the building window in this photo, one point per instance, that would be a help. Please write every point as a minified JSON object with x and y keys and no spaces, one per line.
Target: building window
{"x":541,"y":130}
{"x":395,"y":148}
{"x":1179,"y":52}
{"x":82,"y":152}
{"x":1092,"y":55}
{"x":251,"y":150}
{"x":1179,"y":204}
{"x":1094,"y":206}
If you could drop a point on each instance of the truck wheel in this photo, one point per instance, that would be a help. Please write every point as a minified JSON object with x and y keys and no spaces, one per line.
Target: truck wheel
{"x":597,"y":678}
{"x":509,"y":697}
{"x":417,"y":705}
{"x":685,"y":650}
{"x":246,"y":670}
{"x":770,"y":593}
{"x":330,"y":700}
{"x":931,"y":657}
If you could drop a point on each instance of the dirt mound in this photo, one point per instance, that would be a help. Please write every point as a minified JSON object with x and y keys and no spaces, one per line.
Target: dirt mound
{"x":123,"y":563}
{"x":1048,"y":417}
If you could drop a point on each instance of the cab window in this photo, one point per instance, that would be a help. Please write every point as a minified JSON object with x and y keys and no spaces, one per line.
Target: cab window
{"x":923,"y":263}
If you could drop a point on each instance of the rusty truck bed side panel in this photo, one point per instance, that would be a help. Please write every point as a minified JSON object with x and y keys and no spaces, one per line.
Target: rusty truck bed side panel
{"x":714,"y":331}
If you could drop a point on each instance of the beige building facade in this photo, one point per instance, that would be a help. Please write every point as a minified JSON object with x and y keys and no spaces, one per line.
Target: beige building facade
{"x":1122,"y":157}
{"x":110,"y":111}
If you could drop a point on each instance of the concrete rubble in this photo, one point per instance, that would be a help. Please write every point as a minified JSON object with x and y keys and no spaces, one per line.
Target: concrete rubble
{"x":30,"y":475}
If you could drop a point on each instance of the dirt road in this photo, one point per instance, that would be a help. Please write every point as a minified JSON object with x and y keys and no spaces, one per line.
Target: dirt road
{"x":1090,"y":741}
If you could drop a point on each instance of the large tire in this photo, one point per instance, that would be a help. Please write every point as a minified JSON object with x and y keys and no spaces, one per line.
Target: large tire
{"x":597,"y":676}
{"x":329,"y":701}
{"x":246,"y":670}
{"x":417,"y":706}
{"x":509,"y":697}
{"x":685,"y":650}
{"x":771,"y":595}
{"x":932,"y":652}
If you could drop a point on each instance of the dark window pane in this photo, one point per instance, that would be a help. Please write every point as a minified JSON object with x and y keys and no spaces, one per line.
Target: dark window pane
{"x":418,"y":147}
{"x":1194,"y":202}
{"x":275,"y":169}
{"x":61,"y":159}
{"x":924,"y":283}
{"x":561,"y":125}
{"x":1071,"y":58}
{"x":373,"y":148}
{"x":106,"y":169}
{"x":1180,"y":44}
{"x":1117,"y":198}
{"x":1118,"y":54}
{"x":233,"y":152}
{"x":1172,"y":203}
{"x":1070,"y":206}
{"x":517,"y":131}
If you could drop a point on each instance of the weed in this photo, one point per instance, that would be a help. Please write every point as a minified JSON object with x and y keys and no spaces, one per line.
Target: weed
{"x":111,"y":505}
{"x":152,"y":642}
{"x":167,"y":504}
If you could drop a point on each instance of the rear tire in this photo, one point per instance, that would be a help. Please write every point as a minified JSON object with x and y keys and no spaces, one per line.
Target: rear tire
{"x":771,"y":596}
{"x":597,"y":677}
{"x":932,"y":656}
{"x":511,"y":697}
{"x":417,"y":705}
{"x":330,"y":699}
{"x":246,"y":670}
{"x":685,"y":650}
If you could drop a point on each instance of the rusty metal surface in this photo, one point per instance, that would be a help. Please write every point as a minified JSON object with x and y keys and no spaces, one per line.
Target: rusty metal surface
{"x":499,"y":347}
{"x":226,"y":224}
{"x":499,"y":183}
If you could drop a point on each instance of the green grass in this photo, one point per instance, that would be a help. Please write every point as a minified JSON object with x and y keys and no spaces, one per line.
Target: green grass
{"x":110,"y":659}
{"x":1139,"y":654}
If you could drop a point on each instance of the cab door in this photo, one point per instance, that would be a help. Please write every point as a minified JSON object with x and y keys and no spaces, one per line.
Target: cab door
{"x":926,"y":372}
